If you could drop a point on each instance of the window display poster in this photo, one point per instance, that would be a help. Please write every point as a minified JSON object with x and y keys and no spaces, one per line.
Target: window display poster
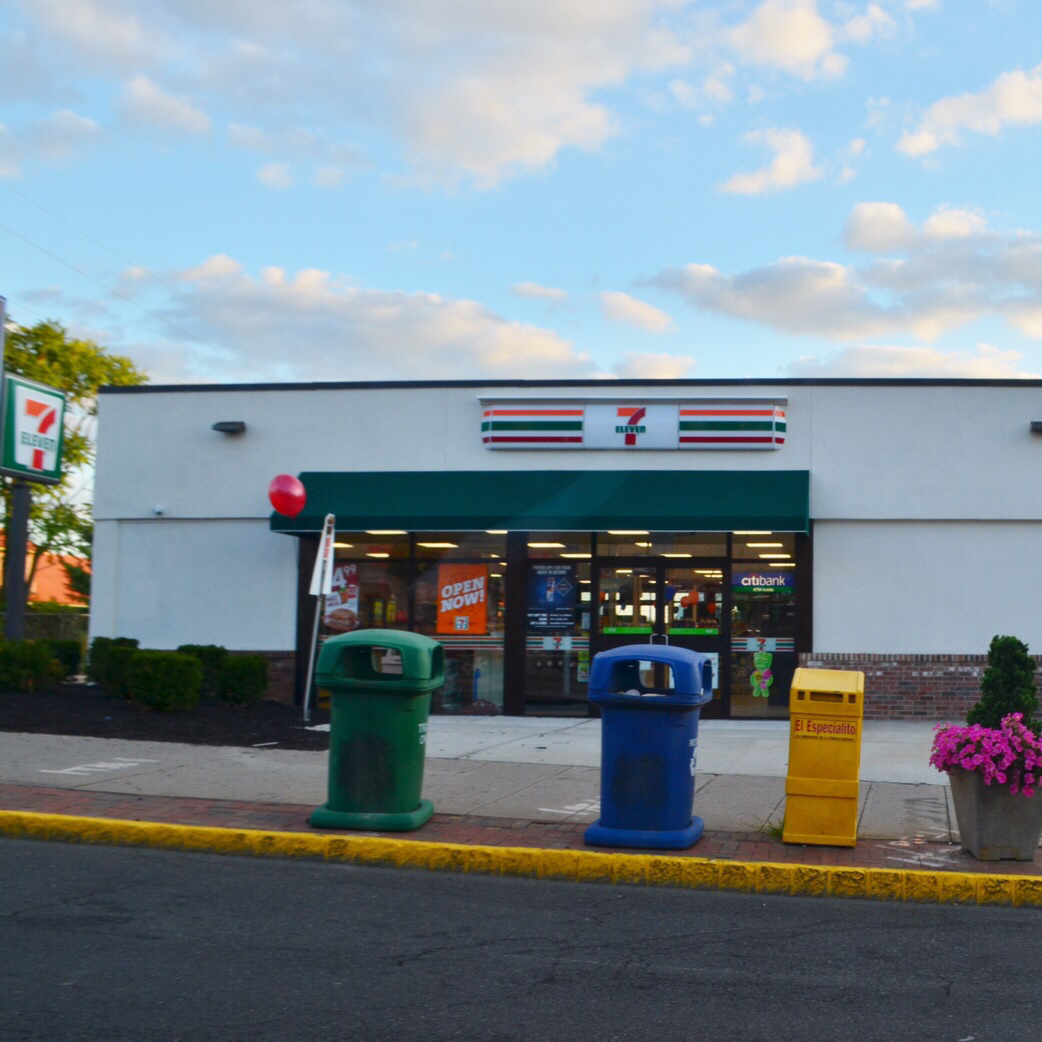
{"x":553,"y":591}
{"x":342,"y":604}
{"x":462,"y":599}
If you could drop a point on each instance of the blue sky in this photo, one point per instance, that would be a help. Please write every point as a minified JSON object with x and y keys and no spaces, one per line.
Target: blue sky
{"x":233,"y":190}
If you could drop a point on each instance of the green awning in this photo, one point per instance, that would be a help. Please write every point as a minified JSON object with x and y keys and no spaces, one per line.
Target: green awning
{"x":556,"y":500}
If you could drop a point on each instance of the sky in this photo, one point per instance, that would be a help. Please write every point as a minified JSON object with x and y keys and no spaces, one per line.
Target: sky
{"x":268,"y":191}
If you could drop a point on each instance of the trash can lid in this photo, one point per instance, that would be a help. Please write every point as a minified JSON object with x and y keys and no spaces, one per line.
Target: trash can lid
{"x":356,"y":657}
{"x":687,"y":667}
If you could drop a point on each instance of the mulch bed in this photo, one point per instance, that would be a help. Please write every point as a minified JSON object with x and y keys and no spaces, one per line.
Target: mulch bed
{"x":83,"y":709}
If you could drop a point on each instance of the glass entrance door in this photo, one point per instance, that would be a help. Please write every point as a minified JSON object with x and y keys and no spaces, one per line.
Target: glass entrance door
{"x":640,"y":601}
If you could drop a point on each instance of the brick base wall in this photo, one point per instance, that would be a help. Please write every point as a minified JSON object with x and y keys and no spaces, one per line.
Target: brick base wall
{"x":911,"y":687}
{"x":281,"y":667}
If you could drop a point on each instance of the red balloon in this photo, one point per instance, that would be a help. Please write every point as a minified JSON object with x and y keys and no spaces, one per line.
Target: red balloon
{"x":287,"y":495}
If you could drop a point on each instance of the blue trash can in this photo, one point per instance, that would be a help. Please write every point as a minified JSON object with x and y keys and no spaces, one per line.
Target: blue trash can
{"x":649,"y":738}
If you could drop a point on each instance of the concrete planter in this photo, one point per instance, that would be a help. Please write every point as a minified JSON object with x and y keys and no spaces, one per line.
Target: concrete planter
{"x":995,"y":825}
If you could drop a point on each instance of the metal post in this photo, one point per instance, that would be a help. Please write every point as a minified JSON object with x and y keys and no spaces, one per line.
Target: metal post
{"x":320,"y":602}
{"x":15,"y":553}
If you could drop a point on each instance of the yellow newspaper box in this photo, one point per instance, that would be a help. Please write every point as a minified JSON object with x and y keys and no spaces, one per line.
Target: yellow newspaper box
{"x":825,"y":711}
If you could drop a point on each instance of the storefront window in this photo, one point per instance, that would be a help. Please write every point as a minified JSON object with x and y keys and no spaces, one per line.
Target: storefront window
{"x":570,"y":546}
{"x":367,"y":594}
{"x":461,"y":604}
{"x":376,"y":545}
{"x":671,"y":545}
{"x":763,"y":623}
{"x":490,"y":546}
{"x":557,"y":635}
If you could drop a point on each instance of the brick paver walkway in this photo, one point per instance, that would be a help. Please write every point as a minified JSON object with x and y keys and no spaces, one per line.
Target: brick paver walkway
{"x":452,"y":828}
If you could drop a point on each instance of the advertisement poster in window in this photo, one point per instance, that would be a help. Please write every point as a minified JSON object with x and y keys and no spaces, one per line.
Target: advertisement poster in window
{"x":462,"y":599}
{"x":342,"y":603}
{"x":553,"y":591}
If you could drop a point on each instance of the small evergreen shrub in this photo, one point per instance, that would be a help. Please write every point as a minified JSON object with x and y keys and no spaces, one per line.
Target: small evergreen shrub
{"x":28,"y":665}
{"x":167,"y":681}
{"x":100,"y":649}
{"x":68,"y":652}
{"x":211,"y":657}
{"x":1007,"y":686}
{"x":114,"y":675}
{"x":243,"y":679}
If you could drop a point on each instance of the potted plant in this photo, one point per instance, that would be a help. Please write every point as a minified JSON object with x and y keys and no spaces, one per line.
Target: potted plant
{"x":994,"y":763}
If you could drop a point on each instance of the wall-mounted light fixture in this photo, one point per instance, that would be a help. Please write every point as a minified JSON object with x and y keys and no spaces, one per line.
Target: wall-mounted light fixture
{"x":230,"y":426}
{"x":1036,"y":426}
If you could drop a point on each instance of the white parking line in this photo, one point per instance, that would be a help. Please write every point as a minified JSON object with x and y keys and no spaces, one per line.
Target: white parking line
{"x":115,"y":764}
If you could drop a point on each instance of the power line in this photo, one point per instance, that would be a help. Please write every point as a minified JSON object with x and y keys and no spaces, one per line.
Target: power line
{"x":98,"y":282}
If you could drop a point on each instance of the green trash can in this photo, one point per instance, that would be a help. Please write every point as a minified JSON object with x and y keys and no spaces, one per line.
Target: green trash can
{"x":380,"y":682}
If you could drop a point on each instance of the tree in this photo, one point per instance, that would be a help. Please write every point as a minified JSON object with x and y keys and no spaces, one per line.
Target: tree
{"x":59,"y":522}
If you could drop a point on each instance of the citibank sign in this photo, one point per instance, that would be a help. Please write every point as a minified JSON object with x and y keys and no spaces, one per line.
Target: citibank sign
{"x":763,"y":582}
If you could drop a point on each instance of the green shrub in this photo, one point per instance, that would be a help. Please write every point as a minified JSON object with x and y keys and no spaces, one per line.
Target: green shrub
{"x":211,"y":657}
{"x":114,"y":676}
{"x":1007,"y":686}
{"x":68,"y":652}
{"x":243,"y":679}
{"x":28,"y":665}
{"x":100,"y":649}
{"x":164,"y":680}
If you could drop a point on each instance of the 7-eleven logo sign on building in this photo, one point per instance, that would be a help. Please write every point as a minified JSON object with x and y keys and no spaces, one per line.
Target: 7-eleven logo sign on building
{"x":626,"y":426}
{"x":34,"y":423}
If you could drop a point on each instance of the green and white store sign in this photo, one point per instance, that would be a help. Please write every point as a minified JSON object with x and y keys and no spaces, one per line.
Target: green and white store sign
{"x":33,"y":426}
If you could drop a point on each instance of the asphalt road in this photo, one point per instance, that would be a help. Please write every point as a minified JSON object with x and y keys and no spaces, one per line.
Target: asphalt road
{"x":114,"y":944}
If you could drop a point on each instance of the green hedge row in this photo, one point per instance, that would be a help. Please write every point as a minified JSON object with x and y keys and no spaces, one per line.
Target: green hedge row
{"x":175,"y":680}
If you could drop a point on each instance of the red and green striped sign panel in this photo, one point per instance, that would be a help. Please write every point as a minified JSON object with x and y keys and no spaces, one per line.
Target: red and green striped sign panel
{"x":690,"y":424}
{"x":731,"y":426}
{"x":533,"y":427}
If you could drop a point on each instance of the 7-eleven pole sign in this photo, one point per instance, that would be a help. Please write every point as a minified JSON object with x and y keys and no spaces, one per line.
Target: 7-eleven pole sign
{"x":33,"y":430}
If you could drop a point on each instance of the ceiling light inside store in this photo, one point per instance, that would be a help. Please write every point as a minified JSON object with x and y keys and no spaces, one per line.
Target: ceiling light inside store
{"x":495,"y":531}
{"x":754,"y":546}
{"x":750,"y":532}
{"x":547,"y":546}
{"x":643,"y":545}
{"x":677,"y":555}
{"x":376,"y":554}
{"x":610,"y":532}
{"x":579,"y":556}
{"x":385,"y":531}
{"x":623,"y":571}
{"x":766,"y":556}
{"x":782,"y":564}
{"x":448,"y":546}
{"x":495,"y":575}
{"x":344,"y":546}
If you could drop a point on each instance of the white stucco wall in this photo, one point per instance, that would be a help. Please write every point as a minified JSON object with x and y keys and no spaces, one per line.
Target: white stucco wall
{"x":931,"y":587}
{"x":171,"y":582}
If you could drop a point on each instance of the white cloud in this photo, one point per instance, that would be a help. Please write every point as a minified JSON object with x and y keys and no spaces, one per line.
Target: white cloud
{"x":635,"y":366}
{"x":793,"y":164}
{"x":55,"y":137}
{"x":789,"y":35}
{"x":104,"y":35}
{"x":275,"y":175}
{"x":920,"y":280}
{"x":986,"y":363}
{"x":146,"y":104}
{"x":465,"y":91}
{"x":865,"y":27}
{"x":1015,"y":98}
{"x":878,"y":228}
{"x":535,"y":291}
{"x":313,"y":324}
{"x":621,"y":307}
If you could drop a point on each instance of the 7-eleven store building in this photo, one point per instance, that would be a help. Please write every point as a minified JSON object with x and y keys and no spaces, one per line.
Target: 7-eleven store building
{"x":888,"y":526}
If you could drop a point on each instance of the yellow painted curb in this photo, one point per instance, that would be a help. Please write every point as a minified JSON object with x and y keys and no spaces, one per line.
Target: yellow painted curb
{"x":587,"y":866}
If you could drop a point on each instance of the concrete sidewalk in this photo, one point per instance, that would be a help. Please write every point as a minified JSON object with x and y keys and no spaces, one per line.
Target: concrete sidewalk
{"x":525,"y":769}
